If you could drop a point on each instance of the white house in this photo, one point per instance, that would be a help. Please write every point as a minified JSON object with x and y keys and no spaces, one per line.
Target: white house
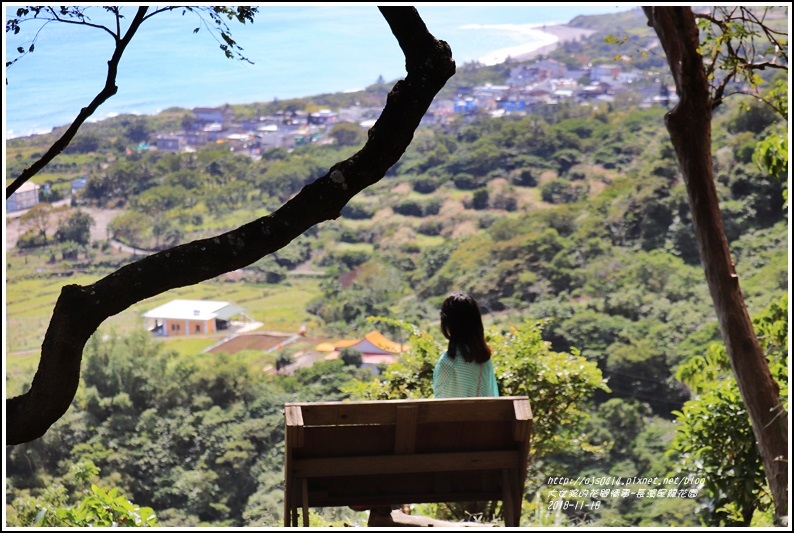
{"x":23,"y":198}
{"x":190,"y":317}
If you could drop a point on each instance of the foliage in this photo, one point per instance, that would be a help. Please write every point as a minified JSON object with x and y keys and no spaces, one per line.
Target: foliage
{"x":739,"y":42}
{"x":559,"y":384}
{"x":771,"y":152}
{"x":350,"y":356}
{"x":376,"y":284}
{"x":37,"y":219}
{"x":129,"y":227}
{"x":76,"y":228}
{"x":560,"y":191}
{"x":346,"y":134}
{"x":196,"y":437}
{"x":715,"y":441}
{"x":97,"y":508}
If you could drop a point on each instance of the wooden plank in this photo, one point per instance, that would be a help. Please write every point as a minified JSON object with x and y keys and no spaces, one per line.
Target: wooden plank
{"x":399,"y":485}
{"x":325,"y":500}
{"x":288,"y":481}
{"x":396,"y":464}
{"x":293,"y":415}
{"x":289,"y":498}
{"x":463,"y":436}
{"x":385,"y":411}
{"x":405,"y":439}
{"x":345,"y":441}
{"x":523,"y":418}
{"x":442,"y":483}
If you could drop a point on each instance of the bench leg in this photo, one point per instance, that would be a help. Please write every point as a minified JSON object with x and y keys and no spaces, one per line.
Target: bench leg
{"x":511,"y":498}
{"x":287,"y":501}
{"x":305,"y":494}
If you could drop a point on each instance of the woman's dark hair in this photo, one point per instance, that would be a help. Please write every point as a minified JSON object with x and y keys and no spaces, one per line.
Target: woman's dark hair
{"x":461,"y":324}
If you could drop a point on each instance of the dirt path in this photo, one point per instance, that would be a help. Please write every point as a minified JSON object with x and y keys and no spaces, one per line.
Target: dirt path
{"x":102,"y":218}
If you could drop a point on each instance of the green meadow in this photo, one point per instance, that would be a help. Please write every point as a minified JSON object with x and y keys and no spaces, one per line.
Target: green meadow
{"x":31,"y":298}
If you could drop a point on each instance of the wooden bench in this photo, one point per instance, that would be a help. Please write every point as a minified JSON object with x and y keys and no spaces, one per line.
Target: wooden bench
{"x":376,"y":453}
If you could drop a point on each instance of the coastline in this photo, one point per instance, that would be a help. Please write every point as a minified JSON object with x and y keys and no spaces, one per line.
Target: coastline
{"x":562,"y":32}
{"x":544,"y":39}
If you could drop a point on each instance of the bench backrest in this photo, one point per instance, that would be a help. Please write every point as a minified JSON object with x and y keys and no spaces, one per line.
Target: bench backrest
{"x":406,"y":451}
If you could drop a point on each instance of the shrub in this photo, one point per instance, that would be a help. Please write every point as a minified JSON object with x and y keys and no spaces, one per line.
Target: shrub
{"x":357,"y":211}
{"x":409,"y":208}
{"x":425,"y":184}
{"x":31,"y":239}
{"x":430,"y":227}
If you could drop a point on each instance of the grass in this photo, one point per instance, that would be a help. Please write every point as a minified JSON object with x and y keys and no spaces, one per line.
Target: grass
{"x":280,"y":308}
{"x":29,"y":305}
{"x":31,"y":298}
{"x":188,"y":345}
{"x":20,"y":369}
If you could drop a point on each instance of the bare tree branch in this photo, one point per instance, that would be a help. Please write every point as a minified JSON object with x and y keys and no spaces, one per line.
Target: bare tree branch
{"x":241,"y":13}
{"x":107,"y":91}
{"x":81,"y":309}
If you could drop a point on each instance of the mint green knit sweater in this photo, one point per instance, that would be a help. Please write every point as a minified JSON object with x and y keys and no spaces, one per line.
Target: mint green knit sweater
{"x":457,"y":378}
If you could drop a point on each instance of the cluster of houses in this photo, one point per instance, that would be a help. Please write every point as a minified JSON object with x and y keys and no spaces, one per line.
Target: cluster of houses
{"x":528,"y":86}
{"x":284,"y":129}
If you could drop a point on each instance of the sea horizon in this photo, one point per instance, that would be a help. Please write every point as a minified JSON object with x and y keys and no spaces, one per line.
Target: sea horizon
{"x":297,"y":51}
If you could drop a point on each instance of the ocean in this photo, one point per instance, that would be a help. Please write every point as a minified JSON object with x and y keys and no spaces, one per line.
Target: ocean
{"x":297,"y":50}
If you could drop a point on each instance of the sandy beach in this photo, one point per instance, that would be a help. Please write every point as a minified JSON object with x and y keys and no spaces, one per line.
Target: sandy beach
{"x":561,"y":32}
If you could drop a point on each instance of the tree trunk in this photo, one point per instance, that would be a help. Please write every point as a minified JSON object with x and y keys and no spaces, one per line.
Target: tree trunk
{"x":689,"y":124}
{"x":81,"y":309}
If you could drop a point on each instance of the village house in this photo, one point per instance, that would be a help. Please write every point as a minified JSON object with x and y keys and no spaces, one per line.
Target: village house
{"x":270,"y":136}
{"x":527,"y":87}
{"x":190,"y":317}
{"x":606,"y":73}
{"x":374,"y":347}
{"x":323,"y":116}
{"x":536,"y":72}
{"x":212,"y":131}
{"x":169,"y":143}
{"x":23,"y":198}
{"x":195,"y":138}
{"x":78,"y":185}
{"x":208,"y":115}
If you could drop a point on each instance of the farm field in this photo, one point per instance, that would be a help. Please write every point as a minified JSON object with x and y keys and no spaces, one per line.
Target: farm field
{"x":30,"y":303}
{"x":33,"y":284}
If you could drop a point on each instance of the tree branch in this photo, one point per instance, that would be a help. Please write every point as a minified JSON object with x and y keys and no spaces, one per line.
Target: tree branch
{"x":81,"y":309}
{"x":107,"y":91}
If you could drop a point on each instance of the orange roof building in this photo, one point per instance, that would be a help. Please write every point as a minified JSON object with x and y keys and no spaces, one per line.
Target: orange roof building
{"x":374,"y":348}
{"x":373,"y":343}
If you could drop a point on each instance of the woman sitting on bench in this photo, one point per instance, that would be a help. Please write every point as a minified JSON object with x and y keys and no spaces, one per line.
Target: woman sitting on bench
{"x":465,"y":368}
